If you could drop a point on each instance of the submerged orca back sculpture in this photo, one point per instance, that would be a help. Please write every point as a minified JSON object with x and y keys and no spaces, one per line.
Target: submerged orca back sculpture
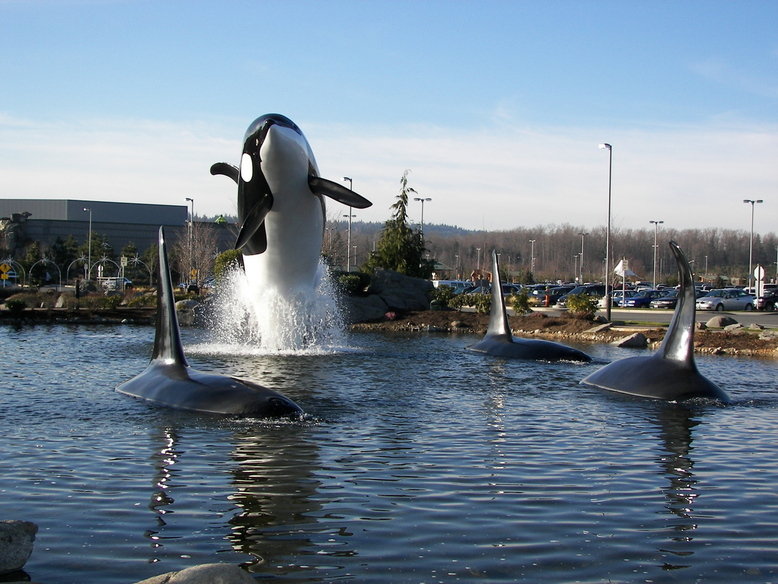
{"x":170,"y":381}
{"x":280,"y":205}
{"x":500,"y":342}
{"x":670,"y":373}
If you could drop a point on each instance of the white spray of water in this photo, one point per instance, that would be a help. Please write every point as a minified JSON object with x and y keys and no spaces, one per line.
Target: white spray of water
{"x":260,"y":318}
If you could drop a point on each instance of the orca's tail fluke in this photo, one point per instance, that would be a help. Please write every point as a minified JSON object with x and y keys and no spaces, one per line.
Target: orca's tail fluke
{"x":678,"y":344}
{"x":498,"y":317}
{"x":167,"y":340}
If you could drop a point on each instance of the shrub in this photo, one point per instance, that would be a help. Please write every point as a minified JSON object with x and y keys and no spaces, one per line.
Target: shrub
{"x":520,"y":302}
{"x":100,"y":302}
{"x":582,"y":306}
{"x":352,"y":283}
{"x":15,"y":305}
{"x":142,"y":301}
{"x":225,"y":262}
{"x":481,"y":302}
{"x":442,"y":295}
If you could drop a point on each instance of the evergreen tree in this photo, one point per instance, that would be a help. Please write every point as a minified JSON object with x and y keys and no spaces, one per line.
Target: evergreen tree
{"x":63,"y":252}
{"x":399,"y":247}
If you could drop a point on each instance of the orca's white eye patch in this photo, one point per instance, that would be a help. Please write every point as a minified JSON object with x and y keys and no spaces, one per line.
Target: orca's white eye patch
{"x":246,"y":168}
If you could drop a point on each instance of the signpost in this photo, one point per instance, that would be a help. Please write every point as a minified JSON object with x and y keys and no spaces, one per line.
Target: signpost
{"x":759,"y":281}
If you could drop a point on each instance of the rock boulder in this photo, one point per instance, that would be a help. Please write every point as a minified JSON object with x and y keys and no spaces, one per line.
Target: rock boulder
{"x":720,"y":321}
{"x":634,"y":341}
{"x":16,"y":539}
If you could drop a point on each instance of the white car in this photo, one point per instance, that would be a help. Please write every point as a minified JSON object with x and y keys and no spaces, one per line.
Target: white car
{"x":726,"y":299}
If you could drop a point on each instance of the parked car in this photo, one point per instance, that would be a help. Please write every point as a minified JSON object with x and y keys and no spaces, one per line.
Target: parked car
{"x":669,"y":300}
{"x":115,"y":283}
{"x":538,"y":297}
{"x":642,"y":299}
{"x":768,"y":301}
{"x":617,"y":297}
{"x":726,"y":299}
{"x":596,"y":290}
{"x":508,"y":289}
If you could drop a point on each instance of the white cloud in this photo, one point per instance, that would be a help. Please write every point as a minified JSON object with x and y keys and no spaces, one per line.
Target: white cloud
{"x":495,"y":178}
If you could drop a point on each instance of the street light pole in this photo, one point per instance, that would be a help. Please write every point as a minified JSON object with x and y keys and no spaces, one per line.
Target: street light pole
{"x":348,"y":240}
{"x":89,"y":248}
{"x":656,"y":232}
{"x":609,"y":148}
{"x":580,"y":265}
{"x":422,"y":200}
{"x":532,"y":257}
{"x":191,"y":238}
{"x":751,"y":244}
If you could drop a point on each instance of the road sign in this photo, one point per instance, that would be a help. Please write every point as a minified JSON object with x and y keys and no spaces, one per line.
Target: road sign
{"x":759,"y":276}
{"x":123,"y":261}
{"x":4,"y":269}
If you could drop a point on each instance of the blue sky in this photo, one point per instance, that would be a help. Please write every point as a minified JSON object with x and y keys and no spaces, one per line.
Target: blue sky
{"x":497,"y":107}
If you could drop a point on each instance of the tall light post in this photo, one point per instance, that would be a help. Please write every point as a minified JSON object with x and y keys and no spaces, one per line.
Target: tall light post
{"x":751,"y":244}
{"x":609,"y":148}
{"x":191,"y":238}
{"x":532,"y":257}
{"x":656,"y":225}
{"x":350,"y":215}
{"x":89,"y":245}
{"x":478,"y":256}
{"x":422,"y":200}
{"x":580,"y":265}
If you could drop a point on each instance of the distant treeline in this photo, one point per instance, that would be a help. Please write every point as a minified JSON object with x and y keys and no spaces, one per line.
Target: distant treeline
{"x":715,"y":253}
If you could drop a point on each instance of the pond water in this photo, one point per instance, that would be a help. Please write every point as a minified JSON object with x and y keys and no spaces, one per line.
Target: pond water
{"x":420,"y":462}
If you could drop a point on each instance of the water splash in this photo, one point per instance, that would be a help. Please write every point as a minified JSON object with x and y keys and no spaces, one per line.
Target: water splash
{"x":262,"y":319}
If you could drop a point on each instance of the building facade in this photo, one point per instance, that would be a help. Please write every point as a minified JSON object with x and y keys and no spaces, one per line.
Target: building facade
{"x":24,"y":221}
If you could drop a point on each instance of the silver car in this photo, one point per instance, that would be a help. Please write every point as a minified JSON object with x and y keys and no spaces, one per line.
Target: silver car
{"x":726,"y":299}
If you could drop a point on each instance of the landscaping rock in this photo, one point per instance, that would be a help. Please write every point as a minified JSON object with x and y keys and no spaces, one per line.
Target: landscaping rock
{"x":733,"y":327}
{"x":401,"y":292}
{"x":634,"y":341}
{"x":720,"y":321}
{"x":370,"y":308}
{"x":700,"y":326}
{"x":599,"y":328}
{"x":186,"y":312}
{"x":16,"y":539}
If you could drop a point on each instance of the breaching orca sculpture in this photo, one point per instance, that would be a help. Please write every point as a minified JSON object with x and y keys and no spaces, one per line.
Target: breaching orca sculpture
{"x":500,"y":342}
{"x":280,"y":205}
{"x":670,"y":373}
{"x":170,"y":381}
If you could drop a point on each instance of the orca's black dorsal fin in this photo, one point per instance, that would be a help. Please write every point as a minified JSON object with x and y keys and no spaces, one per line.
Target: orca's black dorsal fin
{"x":498,"y":317}
{"x":167,"y":340}
{"x":678,"y":344}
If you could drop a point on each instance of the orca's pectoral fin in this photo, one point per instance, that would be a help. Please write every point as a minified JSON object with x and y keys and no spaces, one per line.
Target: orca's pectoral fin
{"x":257,"y":244}
{"x":227,"y":170}
{"x":339,"y":193}
{"x":252,"y":233}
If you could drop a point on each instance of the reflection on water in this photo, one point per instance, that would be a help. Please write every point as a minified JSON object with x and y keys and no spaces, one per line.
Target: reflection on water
{"x":676,"y":425}
{"x":419,"y":462}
